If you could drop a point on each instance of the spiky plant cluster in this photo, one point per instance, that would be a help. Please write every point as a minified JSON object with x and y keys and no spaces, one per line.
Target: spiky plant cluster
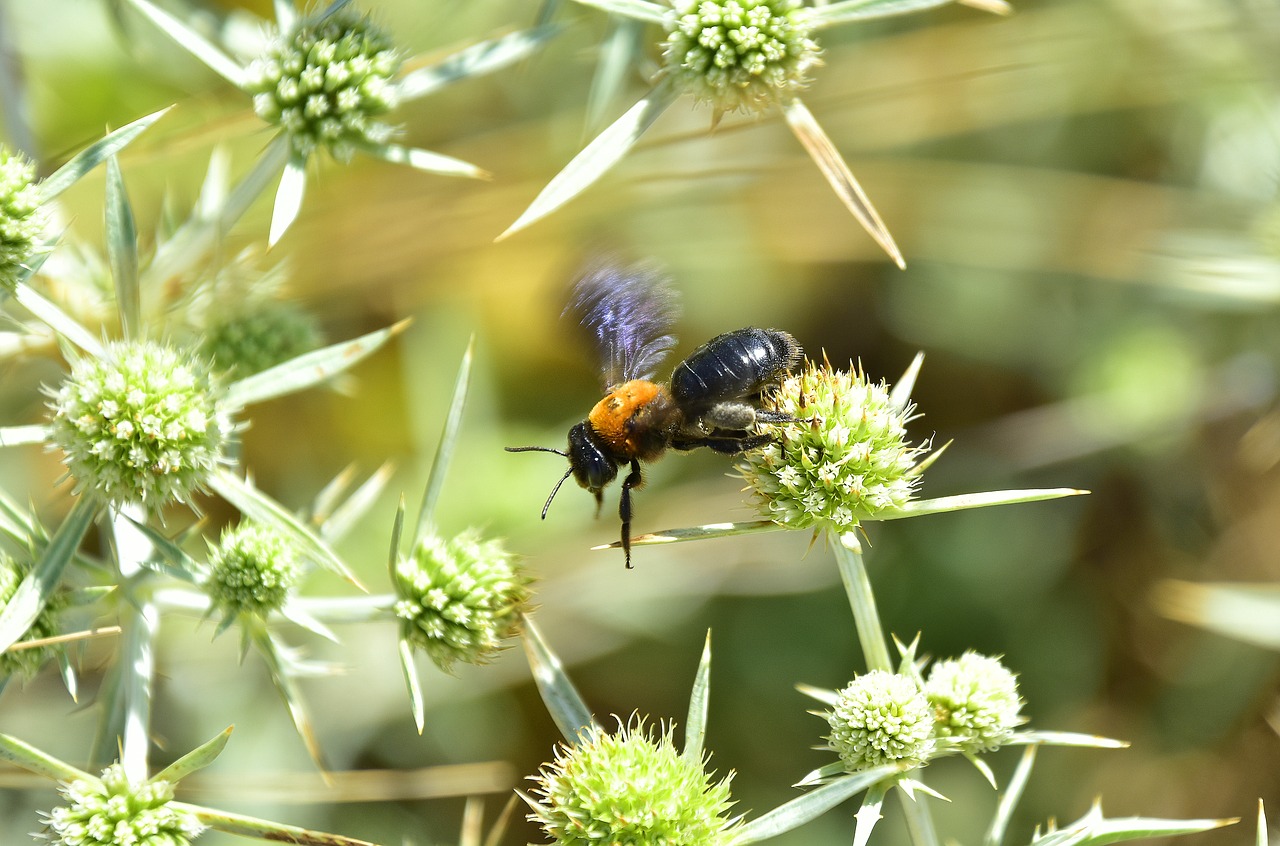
{"x":258,"y":335}
{"x":252,"y":570}
{"x":25,"y":663}
{"x":881,"y":718}
{"x":975,"y":700}
{"x":20,"y":220}
{"x":113,"y":811}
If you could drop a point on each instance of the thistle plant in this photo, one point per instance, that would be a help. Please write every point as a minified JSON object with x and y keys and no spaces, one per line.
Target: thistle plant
{"x":735,"y":55}
{"x":20,"y":220}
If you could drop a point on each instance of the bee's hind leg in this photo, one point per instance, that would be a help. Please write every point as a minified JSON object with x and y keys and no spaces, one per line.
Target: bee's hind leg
{"x":634,"y":480}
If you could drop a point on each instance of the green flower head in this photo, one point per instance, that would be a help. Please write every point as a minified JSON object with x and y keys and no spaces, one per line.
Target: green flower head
{"x":459,"y":599}
{"x":630,"y":788}
{"x":20,"y":220}
{"x":845,"y":459}
{"x":26,"y":662}
{"x":141,"y":423}
{"x":260,"y":335}
{"x":975,"y":699}
{"x":252,"y":569}
{"x":113,"y":811}
{"x":740,"y":54}
{"x":326,"y":82}
{"x":881,"y":718}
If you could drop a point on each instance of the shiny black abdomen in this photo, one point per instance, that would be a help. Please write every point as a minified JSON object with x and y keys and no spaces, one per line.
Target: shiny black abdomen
{"x":733,"y":365}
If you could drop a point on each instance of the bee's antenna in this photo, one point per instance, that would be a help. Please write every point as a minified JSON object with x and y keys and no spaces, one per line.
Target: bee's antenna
{"x":555,"y":490}
{"x":558,"y":452}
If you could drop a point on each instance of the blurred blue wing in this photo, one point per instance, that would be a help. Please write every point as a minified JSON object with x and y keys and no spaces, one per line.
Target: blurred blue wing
{"x":628,"y":311}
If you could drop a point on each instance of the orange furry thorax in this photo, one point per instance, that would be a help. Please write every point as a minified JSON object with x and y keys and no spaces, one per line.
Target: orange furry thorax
{"x":614,"y":418}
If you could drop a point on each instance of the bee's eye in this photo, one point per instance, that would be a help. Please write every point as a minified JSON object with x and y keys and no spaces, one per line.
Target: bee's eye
{"x":592,"y":466}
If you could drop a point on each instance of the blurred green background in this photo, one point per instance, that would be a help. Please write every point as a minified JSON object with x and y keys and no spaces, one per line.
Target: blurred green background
{"x":1086,"y":196}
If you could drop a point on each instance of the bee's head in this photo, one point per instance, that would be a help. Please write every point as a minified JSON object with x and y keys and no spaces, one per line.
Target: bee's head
{"x":590,"y":466}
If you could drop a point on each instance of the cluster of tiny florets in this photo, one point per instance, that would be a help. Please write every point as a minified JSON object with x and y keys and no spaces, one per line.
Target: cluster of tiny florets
{"x":140,"y":423}
{"x":113,"y":811}
{"x":266,"y":332}
{"x":975,"y":700}
{"x":845,"y":459}
{"x":630,"y":788}
{"x":252,"y":569}
{"x":881,"y":718}
{"x":326,"y":82}
{"x":458,"y":600}
{"x":740,"y":54}
{"x":25,"y":662}
{"x":20,"y":221}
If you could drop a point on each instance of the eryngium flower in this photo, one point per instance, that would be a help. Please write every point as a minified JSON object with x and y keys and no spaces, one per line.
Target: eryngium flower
{"x":117,"y":812}
{"x":881,"y":718}
{"x":975,"y":699}
{"x":847,"y":457}
{"x":141,"y":423}
{"x":740,"y":54}
{"x":265,"y":333}
{"x":325,"y":82}
{"x":20,"y":223}
{"x":25,"y":662}
{"x":628,"y":788}
{"x":251,"y":570}
{"x":459,"y":599}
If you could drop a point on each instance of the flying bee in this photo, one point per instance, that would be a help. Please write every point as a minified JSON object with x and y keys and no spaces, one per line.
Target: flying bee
{"x":712,"y":399}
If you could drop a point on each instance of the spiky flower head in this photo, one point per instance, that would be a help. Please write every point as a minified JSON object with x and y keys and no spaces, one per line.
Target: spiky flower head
{"x":459,"y":599}
{"x":881,"y":718}
{"x":258,"y":335}
{"x":628,"y":787}
{"x":326,"y":82}
{"x":141,"y":423}
{"x":740,"y":54}
{"x":113,"y":811}
{"x":20,"y":221}
{"x":845,"y":459}
{"x":26,"y":662}
{"x":252,"y":569}
{"x":975,"y":699}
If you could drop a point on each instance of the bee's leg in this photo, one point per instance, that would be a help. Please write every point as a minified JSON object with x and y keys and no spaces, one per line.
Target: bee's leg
{"x":633,"y":480}
{"x":726,"y":444}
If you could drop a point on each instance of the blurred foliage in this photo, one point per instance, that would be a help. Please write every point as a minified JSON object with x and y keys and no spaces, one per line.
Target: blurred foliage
{"x":1086,"y":196}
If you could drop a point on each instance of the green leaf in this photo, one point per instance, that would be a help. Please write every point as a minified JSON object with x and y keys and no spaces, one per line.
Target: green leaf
{"x":265,"y":829}
{"x":122,"y":251}
{"x":811,"y":805}
{"x":18,"y":435}
{"x":640,"y":10}
{"x":869,"y":813}
{"x":293,"y":185}
{"x":597,"y":157}
{"x":194,"y":43}
{"x":973,"y":500}
{"x":447,"y":446}
{"x":180,"y":565}
{"x":1261,"y":836}
{"x":837,"y":173}
{"x":822,"y":694}
{"x":412,"y":684}
{"x":54,"y":317}
{"x":286,"y":14}
{"x":94,"y":155}
{"x":35,"y":589}
{"x":901,"y":393}
{"x":695,"y":729}
{"x":33,"y":760}
{"x":562,"y":699}
{"x":257,"y":505}
{"x":1065,"y":738}
{"x":1245,"y":612}
{"x":425,"y":160}
{"x":710,"y":530}
{"x":620,"y":54}
{"x":347,"y":513}
{"x":476,"y":60}
{"x":1009,"y":799}
{"x":299,"y":616}
{"x":1095,"y":830}
{"x":308,"y":369}
{"x":273,"y":653}
{"x":197,"y":759}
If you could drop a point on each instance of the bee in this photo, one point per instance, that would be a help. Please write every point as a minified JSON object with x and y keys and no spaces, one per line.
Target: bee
{"x":711,"y":400}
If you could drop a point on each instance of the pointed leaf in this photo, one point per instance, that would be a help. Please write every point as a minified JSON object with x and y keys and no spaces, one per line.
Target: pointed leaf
{"x":56,"y":319}
{"x":69,"y":679}
{"x":94,"y":155}
{"x":18,"y":435}
{"x":425,"y":160}
{"x":823,"y":774}
{"x":122,"y":251}
{"x":838,"y":175}
{"x":641,"y":10}
{"x":476,"y":60}
{"x":308,"y":369}
{"x":695,"y":729}
{"x":286,"y":14}
{"x":33,"y":760}
{"x":869,"y":813}
{"x":194,"y":43}
{"x":277,"y":663}
{"x":562,"y":699}
{"x":619,"y":56}
{"x":293,"y":184}
{"x":197,"y":759}
{"x":598,"y":156}
{"x":901,"y":393}
{"x":397,"y":530}
{"x":1009,"y":799}
{"x":357,"y":505}
{"x":1065,"y":738}
{"x":35,"y":589}
{"x":1261,"y":835}
{"x":257,"y":505}
{"x":447,"y":446}
{"x":1245,"y":612}
{"x":974,"y":500}
{"x":710,"y":530}
{"x":296,"y":614}
{"x":412,"y":684}
{"x":180,"y":565}
{"x":822,"y":694}
{"x":273,"y":832}
{"x":811,"y":805}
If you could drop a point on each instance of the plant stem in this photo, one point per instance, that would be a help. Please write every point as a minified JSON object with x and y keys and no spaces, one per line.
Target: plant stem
{"x":139,"y":621}
{"x":865,"y":616}
{"x":919,"y":820}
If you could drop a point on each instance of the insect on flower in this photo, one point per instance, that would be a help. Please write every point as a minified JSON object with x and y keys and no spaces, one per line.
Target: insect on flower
{"x":712,"y":399}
